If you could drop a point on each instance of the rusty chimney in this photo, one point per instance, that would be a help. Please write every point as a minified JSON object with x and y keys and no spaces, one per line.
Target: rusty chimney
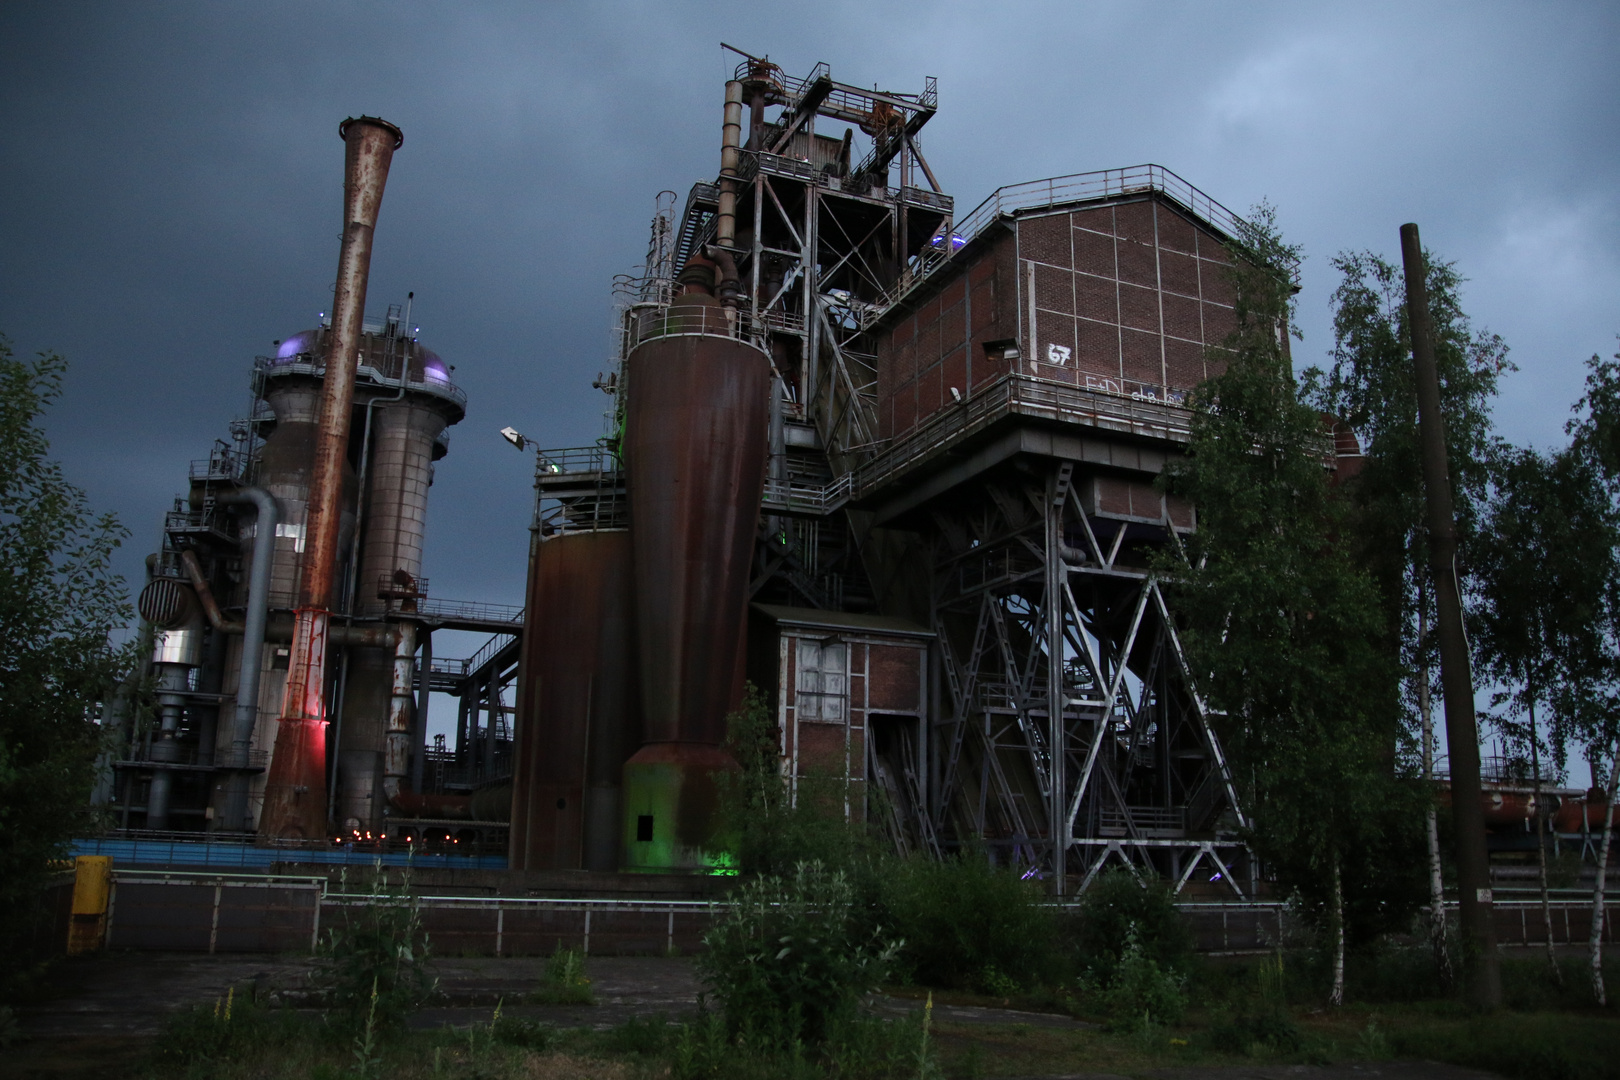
{"x":295,"y":790}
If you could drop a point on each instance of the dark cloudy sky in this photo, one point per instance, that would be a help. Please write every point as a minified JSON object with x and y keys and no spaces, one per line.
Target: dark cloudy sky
{"x":171,"y":185}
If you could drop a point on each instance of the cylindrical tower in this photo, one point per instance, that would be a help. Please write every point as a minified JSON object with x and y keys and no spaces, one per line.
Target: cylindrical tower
{"x":695,"y":450}
{"x":295,"y":790}
{"x":291,"y":386}
{"x":410,"y":400}
{"x":177,"y":649}
{"x":578,"y":717}
{"x":404,"y":399}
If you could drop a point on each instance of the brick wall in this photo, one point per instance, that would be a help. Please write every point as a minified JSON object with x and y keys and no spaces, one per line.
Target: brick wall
{"x":1122,"y":298}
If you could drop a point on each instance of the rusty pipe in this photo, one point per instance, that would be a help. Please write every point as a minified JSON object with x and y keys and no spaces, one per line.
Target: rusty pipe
{"x":238,"y":735}
{"x":295,"y":790}
{"x":369,"y":149}
{"x":199,"y":585}
{"x":386,"y":637}
{"x":725,"y":226}
{"x":401,"y":707}
{"x":729,"y":290}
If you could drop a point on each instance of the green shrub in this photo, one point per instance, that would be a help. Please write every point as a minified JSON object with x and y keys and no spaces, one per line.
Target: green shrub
{"x":1139,"y":991}
{"x":376,"y":959}
{"x":855,"y":1048}
{"x":764,"y":827}
{"x":1525,"y":1047}
{"x":565,"y":982}
{"x":1116,"y":904}
{"x":194,"y":1042}
{"x":1254,"y":1032}
{"x":700,"y":1049}
{"x":790,"y":957}
{"x":969,"y":924}
{"x":527,"y":1034}
{"x":643,"y":1036}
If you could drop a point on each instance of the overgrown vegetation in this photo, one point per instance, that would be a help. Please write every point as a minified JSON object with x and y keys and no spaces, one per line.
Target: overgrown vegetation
{"x":789,"y":959}
{"x":769,"y":828}
{"x":1284,"y":618}
{"x":376,"y":960}
{"x":59,"y":600}
{"x":565,"y":982}
{"x":969,"y":925}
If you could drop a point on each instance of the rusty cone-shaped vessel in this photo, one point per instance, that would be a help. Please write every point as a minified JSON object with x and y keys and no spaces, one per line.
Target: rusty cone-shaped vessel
{"x":578,"y":715}
{"x":295,"y":790}
{"x":695,"y":450}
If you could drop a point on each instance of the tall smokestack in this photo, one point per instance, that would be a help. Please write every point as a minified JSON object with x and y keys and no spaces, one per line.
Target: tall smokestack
{"x":725,"y":229}
{"x":295,"y":791}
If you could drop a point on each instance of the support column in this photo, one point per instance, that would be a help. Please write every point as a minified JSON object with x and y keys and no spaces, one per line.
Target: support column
{"x":419,"y":737}
{"x":1462,"y":736}
{"x":1056,"y":813}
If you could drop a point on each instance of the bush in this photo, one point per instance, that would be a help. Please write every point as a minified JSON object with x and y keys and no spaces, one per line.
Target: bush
{"x":527,"y":1034}
{"x":376,"y":970}
{"x":565,"y":982}
{"x":766,"y":830}
{"x":1265,"y":1029}
{"x":1117,"y":905}
{"x":856,"y":1048}
{"x":645,"y":1037}
{"x":1140,"y":991}
{"x":969,"y":924}
{"x":790,"y":957}
{"x":1526,"y":1047}
{"x":195,"y":1042}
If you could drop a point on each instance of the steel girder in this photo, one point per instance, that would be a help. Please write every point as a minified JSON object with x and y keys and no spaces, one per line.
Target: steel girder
{"x":1072,"y":732}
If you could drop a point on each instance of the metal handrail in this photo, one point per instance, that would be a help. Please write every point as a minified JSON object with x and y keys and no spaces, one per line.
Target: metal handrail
{"x":470,"y":609}
{"x":486,"y":652}
{"x":790,"y":496}
{"x":694,"y":321}
{"x":1055,"y":191}
{"x":575,"y":461}
{"x":1015,"y":392}
{"x":448,"y":390}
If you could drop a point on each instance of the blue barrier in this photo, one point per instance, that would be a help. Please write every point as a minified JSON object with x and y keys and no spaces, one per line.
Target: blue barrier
{"x":248,"y":856}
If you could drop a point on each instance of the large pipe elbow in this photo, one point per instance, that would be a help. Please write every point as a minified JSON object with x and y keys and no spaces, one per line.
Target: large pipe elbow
{"x":729,"y":291}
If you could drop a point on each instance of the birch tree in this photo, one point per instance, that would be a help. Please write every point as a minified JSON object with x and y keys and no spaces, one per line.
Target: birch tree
{"x":1284,"y":626}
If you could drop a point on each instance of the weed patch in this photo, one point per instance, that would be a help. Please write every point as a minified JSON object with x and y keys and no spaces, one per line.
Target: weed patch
{"x":565,"y":981}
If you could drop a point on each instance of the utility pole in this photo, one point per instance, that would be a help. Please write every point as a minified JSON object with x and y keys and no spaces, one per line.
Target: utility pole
{"x":1473,"y":870}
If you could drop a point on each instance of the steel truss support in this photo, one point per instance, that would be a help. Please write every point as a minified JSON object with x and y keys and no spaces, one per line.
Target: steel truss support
{"x":1076,"y":735}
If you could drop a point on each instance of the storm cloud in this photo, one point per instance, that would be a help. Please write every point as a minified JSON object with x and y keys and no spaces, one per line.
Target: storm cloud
{"x":173,"y":179}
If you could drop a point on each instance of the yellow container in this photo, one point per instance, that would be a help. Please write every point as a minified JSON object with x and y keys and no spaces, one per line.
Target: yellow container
{"x":92,"y":886}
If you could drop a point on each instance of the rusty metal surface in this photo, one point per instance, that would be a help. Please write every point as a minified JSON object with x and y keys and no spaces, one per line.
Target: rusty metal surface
{"x":369,"y":146}
{"x":578,"y":715}
{"x":401,"y":712}
{"x":295,"y":789}
{"x":695,"y":448}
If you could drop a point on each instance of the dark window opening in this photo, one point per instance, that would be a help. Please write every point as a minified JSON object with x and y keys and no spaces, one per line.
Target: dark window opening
{"x":562,"y":804}
{"x":644,"y":828}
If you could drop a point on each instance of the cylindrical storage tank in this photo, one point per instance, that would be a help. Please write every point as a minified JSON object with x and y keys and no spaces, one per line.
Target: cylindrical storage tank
{"x":578,"y":717}
{"x":404,"y":437}
{"x":695,"y":449}
{"x":285,"y":464}
{"x":401,"y":470}
{"x":284,"y":467}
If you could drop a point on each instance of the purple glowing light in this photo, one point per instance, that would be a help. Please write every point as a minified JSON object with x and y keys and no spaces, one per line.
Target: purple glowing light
{"x":298,"y":343}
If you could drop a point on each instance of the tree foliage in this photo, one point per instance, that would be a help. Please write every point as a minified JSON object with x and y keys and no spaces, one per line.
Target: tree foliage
{"x":766,"y":826}
{"x":59,"y":599}
{"x":1370,"y":384}
{"x":1544,"y":567}
{"x":1285,"y":627}
{"x":792,"y":957}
